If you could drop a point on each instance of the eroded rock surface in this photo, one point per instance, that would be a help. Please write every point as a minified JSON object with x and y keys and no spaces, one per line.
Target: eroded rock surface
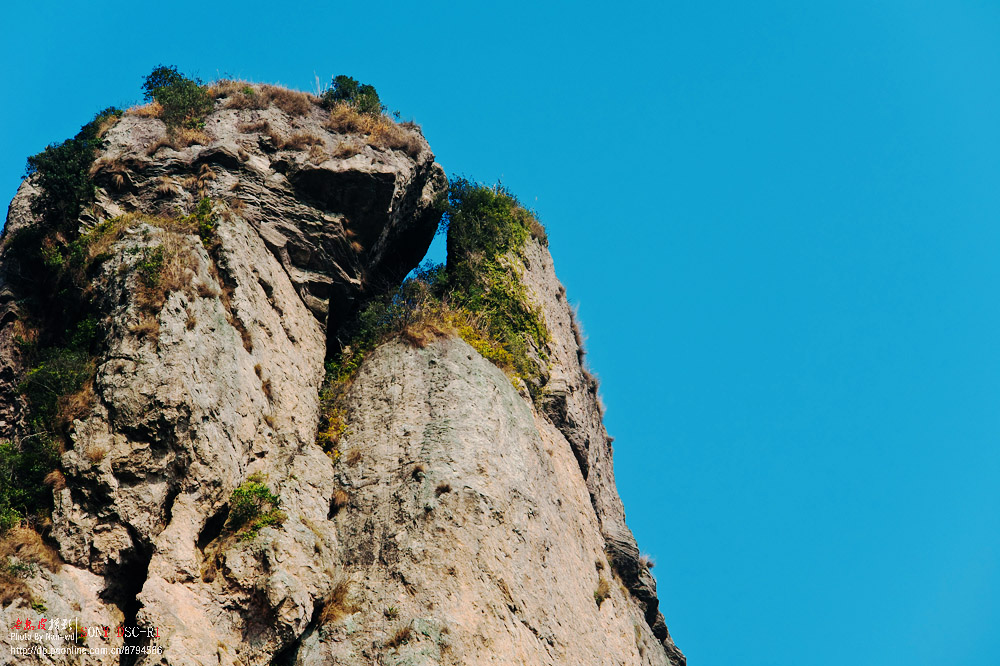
{"x":469,"y":523}
{"x":571,"y":404}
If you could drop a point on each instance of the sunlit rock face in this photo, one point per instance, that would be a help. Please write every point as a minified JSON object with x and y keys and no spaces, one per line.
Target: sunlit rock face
{"x":461,"y":524}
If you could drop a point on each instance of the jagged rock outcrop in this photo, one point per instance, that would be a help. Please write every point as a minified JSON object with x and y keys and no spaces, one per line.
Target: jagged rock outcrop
{"x":460,"y":524}
{"x":571,"y":404}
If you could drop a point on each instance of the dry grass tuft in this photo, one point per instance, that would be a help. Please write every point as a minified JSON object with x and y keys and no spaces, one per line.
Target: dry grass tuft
{"x":300,"y":141}
{"x":116,"y":166}
{"x":148,"y":328}
{"x":242,"y":95}
{"x":261,"y":126}
{"x":12,"y":588}
{"x":292,"y":102}
{"x":346,"y":120}
{"x":27,"y":545}
{"x":353,"y":457}
{"x":442,"y":488}
{"x":639,"y":645}
{"x":247,"y":340}
{"x":402,"y":635}
{"x":268,"y":390}
{"x":179,"y":140}
{"x":96,"y":453}
{"x":106,"y":124}
{"x":151,"y":110}
{"x":646,"y":561}
{"x":166,"y":186}
{"x":187,"y":137}
{"x":317,"y":154}
{"x":174,"y":274}
{"x":56,"y":480}
{"x":76,"y":405}
{"x":207,"y":290}
{"x":346,"y":149}
{"x":246,"y":98}
{"x":338,"y":603}
{"x":162,"y":142}
{"x":379,"y":131}
{"x":423,"y":332}
{"x":394,"y":137}
{"x":538,"y":231}
{"x":339,"y":500}
{"x":275,"y":138}
{"x":603,"y":591}
{"x":200,"y":181}
{"x":228,"y":88}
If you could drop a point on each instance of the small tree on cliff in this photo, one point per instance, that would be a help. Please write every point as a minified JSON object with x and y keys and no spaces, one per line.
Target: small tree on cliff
{"x":361,"y":96}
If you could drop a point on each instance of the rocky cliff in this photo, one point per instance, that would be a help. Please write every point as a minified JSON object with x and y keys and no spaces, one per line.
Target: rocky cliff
{"x":459,"y":521}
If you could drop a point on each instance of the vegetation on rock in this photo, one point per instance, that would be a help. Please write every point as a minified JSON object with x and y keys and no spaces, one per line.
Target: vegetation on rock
{"x":478,"y":296}
{"x":58,"y":332}
{"x":603,"y":591}
{"x":54,"y":266}
{"x":185,"y":102}
{"x":23,"y":468}
{"x":252,"y":507}
{"x":22,"y":551}
{"x":360,"y":96}
{"x":62,"y":172}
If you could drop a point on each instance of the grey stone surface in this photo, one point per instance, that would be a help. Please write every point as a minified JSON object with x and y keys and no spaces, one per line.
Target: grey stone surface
{"x":572,"y":404}
{"x":469,"y":517}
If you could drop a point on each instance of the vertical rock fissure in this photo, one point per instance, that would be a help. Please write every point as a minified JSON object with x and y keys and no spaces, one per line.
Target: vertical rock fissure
{"x":124,"y":583}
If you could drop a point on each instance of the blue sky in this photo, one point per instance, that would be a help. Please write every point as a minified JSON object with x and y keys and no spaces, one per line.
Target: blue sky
{"x":780,"y":222}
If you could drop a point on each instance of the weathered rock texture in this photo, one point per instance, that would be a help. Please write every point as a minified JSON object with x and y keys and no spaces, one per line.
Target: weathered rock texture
{"x":572,"y":405}
{"x":459,"y":521}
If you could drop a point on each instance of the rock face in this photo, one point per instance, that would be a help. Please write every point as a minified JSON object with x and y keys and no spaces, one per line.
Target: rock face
{"x":571,"y":404}
{"x":460,"y":525}
{"x":468,"y":516}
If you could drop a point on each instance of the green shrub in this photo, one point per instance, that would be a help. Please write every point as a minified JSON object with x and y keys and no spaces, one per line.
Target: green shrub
{"x":487,"y":229}
{"x":160,"y":77}
{"x":478,"y":295}
{"x":60,"y":371}
{"x":205,"y":221}
{"x":23,"y":467}
{"x":381,"y":318}
{"x":47,"y":266}
{"x":63,"y":172}
{"x":150,"y":266}
{"x":185,"y":101}
{"x":360,"y":96}
{"x":252,"y":506}
{"x":478,"y":218}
